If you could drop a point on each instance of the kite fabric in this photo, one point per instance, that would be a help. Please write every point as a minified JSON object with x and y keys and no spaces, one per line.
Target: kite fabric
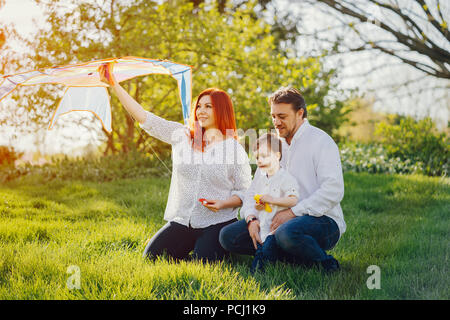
{"x":85,"y":91}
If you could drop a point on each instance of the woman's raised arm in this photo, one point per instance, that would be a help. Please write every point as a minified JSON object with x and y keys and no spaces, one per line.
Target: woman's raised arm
{"x":157,"y":127}
{"x":131,"y":105}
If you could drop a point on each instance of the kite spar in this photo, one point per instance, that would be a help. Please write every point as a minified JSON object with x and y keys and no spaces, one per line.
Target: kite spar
{"x":84,"y":90}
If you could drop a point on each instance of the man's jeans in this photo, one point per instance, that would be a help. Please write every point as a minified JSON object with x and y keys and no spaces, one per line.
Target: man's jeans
{"x":300,"y":240}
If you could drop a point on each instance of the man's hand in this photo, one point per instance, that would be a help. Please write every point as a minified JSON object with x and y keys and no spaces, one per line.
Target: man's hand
{"x":280,"y":218}
{"x":253,"y":230}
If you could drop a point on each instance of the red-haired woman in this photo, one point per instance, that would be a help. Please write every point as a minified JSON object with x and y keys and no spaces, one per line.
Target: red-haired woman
{"x":208,"y":162}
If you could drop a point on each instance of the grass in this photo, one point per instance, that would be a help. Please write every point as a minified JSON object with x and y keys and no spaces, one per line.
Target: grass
{"x":399,"y":223}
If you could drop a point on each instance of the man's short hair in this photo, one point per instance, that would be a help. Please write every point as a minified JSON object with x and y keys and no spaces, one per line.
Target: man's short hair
{"x":272,"y":142}
{"x":291,"y":96}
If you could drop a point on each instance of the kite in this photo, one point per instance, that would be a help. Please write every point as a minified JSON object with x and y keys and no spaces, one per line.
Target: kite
{"x":84,"y":90}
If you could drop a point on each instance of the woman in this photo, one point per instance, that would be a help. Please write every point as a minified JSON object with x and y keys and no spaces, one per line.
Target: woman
{"x":208,"y":163}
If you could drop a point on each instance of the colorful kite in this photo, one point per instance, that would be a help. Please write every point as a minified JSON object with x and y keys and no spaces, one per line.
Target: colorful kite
{"x":85,"y":91}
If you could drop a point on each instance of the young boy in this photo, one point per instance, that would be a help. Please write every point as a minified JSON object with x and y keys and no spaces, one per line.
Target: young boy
{"x":272,"y":186}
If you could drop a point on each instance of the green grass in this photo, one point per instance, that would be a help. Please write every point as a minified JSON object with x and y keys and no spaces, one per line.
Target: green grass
{"x":399,"y":223}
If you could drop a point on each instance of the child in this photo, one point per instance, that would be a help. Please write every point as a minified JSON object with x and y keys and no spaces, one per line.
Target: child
{"x":271,"y":185}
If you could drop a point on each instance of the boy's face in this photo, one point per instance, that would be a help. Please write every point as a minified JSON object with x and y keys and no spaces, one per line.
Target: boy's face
{"x":267,"y":159}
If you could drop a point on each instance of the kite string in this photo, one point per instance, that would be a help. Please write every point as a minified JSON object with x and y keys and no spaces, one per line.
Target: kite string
{"x":153,"y":150}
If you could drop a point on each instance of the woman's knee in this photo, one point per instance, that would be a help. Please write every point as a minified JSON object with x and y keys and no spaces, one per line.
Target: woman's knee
{"x":150,"y":252}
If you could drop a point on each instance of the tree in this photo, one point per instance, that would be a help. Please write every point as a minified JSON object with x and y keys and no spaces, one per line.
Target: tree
{"x":2,"y":33}
{"x":283,"y":24}
{"x":229,"y":50}
{"x":415,"y":32}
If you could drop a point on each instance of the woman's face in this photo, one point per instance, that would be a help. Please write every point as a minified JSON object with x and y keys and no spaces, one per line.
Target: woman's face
{"x":205,"y":113}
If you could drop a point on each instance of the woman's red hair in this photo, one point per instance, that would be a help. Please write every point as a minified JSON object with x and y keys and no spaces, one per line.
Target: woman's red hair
{"x":223,"y":115}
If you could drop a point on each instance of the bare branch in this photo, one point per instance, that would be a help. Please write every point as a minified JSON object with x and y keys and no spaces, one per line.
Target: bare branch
{"x":417,"y":41}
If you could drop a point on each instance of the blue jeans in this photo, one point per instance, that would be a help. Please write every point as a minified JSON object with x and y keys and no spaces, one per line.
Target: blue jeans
{"x":301,"y":240}
{"x":266,"y":252}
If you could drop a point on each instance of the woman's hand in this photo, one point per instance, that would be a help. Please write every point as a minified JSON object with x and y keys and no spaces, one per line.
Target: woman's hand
{"x":253,"y":230}
{"x":106,"y":74}
{"x":214,"y":205}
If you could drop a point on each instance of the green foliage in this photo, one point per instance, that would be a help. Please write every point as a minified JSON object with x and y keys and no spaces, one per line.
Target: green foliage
{"x":373,"y":158}
{"x":417,"y":141}
{"x":232,"y":50}
{"x":106,"y":168}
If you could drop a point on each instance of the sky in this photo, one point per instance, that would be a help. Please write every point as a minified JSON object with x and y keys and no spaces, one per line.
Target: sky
{"x":385,"y":84}
{"x":21,"y":13}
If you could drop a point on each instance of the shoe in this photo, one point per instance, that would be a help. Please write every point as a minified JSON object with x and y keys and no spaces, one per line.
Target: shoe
{"x":330,"y":264}
{"x":257,"y":265}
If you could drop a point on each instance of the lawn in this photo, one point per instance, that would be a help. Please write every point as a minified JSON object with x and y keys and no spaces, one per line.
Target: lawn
{"x":398,"y":223}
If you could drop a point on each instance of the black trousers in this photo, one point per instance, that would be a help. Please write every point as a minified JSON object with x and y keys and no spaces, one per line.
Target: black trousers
{"x":177,"y":241}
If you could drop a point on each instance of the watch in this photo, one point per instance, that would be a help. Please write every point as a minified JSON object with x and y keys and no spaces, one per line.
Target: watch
{"x":250,"y":220}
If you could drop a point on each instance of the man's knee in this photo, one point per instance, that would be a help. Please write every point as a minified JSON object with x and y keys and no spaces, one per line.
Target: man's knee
{"x":288,"y":236}
{"x":225,"y":236}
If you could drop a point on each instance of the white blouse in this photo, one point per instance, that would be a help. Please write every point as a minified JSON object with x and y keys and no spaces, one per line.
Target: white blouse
{"x":221,"y":171}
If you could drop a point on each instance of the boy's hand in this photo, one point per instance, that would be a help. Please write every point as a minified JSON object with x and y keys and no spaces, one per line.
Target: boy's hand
{"x":259,"y":206}
{"x":266,"y":198}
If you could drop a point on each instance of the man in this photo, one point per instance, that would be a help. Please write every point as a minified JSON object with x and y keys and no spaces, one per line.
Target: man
{"x":315,"y":224}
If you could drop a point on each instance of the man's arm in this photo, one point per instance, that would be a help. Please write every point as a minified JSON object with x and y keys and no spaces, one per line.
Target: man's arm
{"x":330,"y":180}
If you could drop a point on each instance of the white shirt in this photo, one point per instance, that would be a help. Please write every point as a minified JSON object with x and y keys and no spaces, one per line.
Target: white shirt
{"x":313,"y":159}
{"x":281,"y":184}
{"x":220,"y":172}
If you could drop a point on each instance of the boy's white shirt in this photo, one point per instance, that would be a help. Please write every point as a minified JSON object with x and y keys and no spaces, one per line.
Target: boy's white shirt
{"x":281,"y":184}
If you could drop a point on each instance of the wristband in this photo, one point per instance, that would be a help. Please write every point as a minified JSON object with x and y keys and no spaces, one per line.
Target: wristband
{"x":250,"y":220}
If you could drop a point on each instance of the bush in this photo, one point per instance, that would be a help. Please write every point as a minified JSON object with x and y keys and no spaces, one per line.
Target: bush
{"x":107,"y":168}
{"x":417,"y":141}
{"x":374,"y":158}
{"x":8,"y":156}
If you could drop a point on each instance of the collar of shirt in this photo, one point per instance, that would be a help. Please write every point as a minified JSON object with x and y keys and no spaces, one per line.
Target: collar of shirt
{"x":288,"y":148}
{"x":298,"y":133}
{"x":274,"y":177}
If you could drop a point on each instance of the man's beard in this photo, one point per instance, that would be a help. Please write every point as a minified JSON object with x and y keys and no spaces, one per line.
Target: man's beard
{"x":287,"y":134}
